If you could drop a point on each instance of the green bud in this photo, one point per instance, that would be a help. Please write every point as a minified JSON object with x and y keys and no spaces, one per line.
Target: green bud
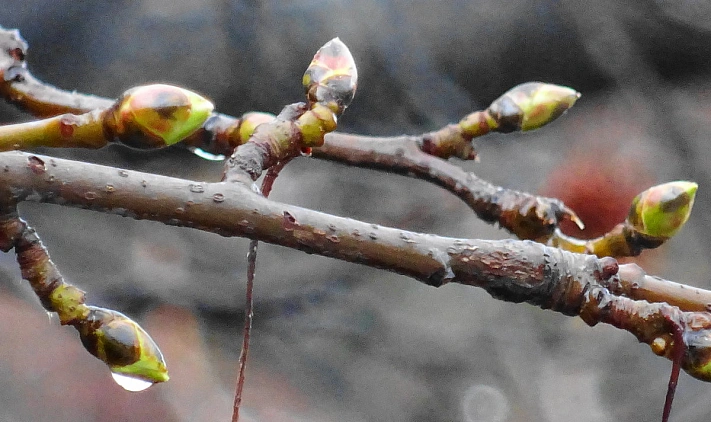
{"x":68,"y":302}
{"x":123,"y":345}
{"x":531,"y":105}
{"x":250,"y":121}
{"x":331,"y":78}
{"x":662,"y":210}
{"x":315,"y":124}
{"x":155,"y":116}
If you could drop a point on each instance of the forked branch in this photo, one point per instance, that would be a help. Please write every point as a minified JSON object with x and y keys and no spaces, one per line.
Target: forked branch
{"x":588,"y":283}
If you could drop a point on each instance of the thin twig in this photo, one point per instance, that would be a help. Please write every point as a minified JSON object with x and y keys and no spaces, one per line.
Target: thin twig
{"x":267,"y":185}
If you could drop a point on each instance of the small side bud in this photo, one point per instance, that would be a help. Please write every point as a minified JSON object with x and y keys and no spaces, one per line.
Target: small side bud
{"x":331,"y":78}
{"x":156,"y":116}
{"x":122,"y":344}
{"x":662,"y":210}
{"x":531,"y":105}
{"x":315,"y":124}
{"x":250,"y":121}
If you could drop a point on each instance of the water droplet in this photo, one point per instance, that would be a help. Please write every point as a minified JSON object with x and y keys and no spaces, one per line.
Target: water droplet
{"x":130,"y":383}
{"x":123,"y":173}
{"x":658,"y":346}
{"x":218,"y":197}
{"x":90,"y":195}
{"x":248,"y":227}
{"x":197,"y":188}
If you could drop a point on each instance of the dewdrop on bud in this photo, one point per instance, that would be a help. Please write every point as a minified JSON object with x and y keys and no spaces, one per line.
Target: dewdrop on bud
{"x":132,"y":356}
{"x":156,"y":116}
{"x":531,"y":105}
{"x":662,"y":210}
{"x":331,"y":78}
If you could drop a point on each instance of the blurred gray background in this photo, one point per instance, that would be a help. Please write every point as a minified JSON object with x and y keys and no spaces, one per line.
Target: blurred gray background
{"x":336,"y":341}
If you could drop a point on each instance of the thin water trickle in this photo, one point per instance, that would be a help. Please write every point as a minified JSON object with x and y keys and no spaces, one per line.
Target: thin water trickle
{"x":53,"y":318}
{"x":130,"y":383}
{"x":206,"y":155}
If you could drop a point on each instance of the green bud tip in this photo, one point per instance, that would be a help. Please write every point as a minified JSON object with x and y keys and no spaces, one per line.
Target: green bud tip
{"x":332,"y":77}
{"x":662,"y":210}
{"x":167,"y":112}
{"x":531,"y":105}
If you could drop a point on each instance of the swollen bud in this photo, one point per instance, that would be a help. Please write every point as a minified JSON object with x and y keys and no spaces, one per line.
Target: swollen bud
{"x":531,"y":105}
{"x":331,"y":78}
{"x":662,"y":210}
{"x":156,"y":116}
{"x":123,"y":345}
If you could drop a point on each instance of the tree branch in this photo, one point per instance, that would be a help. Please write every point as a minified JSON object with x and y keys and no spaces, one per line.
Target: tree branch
{"x":525,"y":215}
{"x":510,"y":270}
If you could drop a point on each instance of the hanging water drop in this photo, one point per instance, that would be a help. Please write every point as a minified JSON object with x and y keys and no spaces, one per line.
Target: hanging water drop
{"x":130,"y":383}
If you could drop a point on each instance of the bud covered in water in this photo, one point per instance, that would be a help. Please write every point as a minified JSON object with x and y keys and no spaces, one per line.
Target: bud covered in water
{"x":156,"y":116}
{"x":122,"y":344}
{"x":331,"y":78}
